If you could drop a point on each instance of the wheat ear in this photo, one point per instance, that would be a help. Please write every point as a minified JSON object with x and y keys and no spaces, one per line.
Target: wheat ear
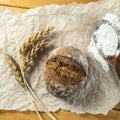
{"x":28,"y":59}
{"x":18,"y":76}
{"x":34,"y":39}
{"x":32,"y":54}
{"x":15,"y":70}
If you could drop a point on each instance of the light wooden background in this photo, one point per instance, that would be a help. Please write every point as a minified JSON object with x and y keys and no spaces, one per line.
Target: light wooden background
{"x":22,"y":6}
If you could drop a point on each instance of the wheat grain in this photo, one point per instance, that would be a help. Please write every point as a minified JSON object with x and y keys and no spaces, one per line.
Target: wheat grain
{"x":32,"y":54}
{"x":23,"y":50}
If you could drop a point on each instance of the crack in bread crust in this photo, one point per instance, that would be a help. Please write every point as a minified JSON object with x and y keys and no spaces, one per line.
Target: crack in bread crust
{"x":66,"y":68}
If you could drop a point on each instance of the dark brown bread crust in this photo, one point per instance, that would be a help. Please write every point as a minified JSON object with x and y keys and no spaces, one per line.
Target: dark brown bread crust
{"x":62,"y":75}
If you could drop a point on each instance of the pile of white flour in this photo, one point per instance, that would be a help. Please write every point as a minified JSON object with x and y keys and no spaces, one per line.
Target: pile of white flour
{"x":73,"y":26}
{"x":105,"y":40}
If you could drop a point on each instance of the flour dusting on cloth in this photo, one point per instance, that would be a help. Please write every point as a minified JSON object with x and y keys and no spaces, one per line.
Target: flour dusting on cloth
{"x":73,"y":26}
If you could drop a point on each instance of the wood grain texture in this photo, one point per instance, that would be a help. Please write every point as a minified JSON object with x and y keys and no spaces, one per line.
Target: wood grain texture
{"x":35,"y":3}
{"x":22,"y":6}
{"x":61,"y":115}
{"x":14,"y":8}
{"x":117,"y":106}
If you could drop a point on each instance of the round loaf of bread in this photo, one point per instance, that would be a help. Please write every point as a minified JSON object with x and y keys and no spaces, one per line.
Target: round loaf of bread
{"x":64,"y":71}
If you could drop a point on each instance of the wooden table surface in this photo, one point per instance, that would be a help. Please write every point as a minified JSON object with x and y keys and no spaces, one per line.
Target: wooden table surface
{"x":22,"y":6}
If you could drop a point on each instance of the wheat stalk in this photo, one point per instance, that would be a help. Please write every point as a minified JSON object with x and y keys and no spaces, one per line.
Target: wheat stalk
{"x":18,"y":76}
{"x":32,"y":54}
{"x":34,"y":39}
{"x":39,"y":102}
{"x":34,"y":106}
